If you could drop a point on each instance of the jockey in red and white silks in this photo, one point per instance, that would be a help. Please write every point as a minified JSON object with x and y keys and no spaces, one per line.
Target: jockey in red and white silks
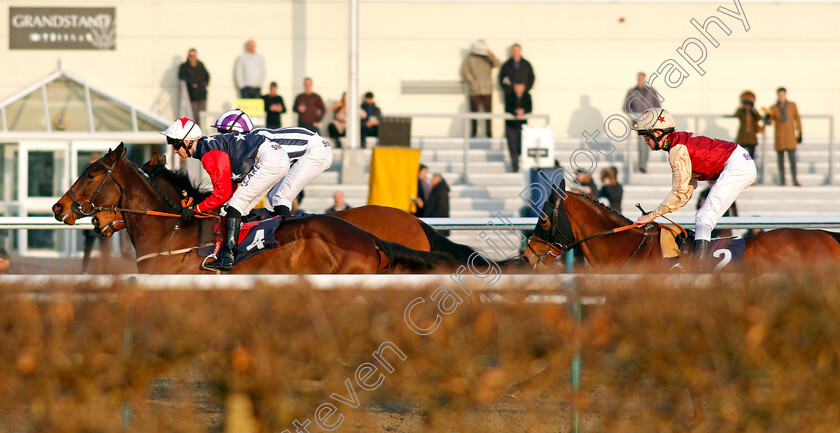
{"x":257,"y":161}
{"x":692,"y":158}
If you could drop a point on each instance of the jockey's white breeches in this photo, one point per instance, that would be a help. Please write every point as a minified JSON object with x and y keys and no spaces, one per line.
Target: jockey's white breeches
{"x":738,"y":173}
{"x":317,"y":158}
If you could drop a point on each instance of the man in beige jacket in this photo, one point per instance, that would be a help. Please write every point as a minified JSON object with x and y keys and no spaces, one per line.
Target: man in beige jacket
{"x":477,"y":71}
{"x":788,"y":133}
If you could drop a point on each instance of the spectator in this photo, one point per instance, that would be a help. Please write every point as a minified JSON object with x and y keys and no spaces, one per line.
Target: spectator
{"x":788,"y":133}
{"x":371,"y":116}
{"x":338,"y":203}
{"x":338,"y":127}
{"x":749,"y":123}
{"x":197,"y":78}
{"x":516,"y":70}
{"x":249,"y":71}
{"x":274,"y":107}
{"x":310,"y":108}
{"x":639,"y":99}
{"x":437,"y":205}
{"x":731,"y":212}
{"x":611,"y":191}
{"x":5,"y":261}
{"x":424,"y":188}
{"x":587,"y":185}
{"x":477,"y":71}
{"x":517,"y":103}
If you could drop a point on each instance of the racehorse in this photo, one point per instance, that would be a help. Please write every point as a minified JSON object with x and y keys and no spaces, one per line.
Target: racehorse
{"x":317,"y":244}
{"x":608,"y":243}
{"x":386,"y":223}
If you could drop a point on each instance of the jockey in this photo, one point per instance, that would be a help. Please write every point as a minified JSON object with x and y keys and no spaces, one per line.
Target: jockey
{"x":693,"y":158}
{"x":257,"y":161}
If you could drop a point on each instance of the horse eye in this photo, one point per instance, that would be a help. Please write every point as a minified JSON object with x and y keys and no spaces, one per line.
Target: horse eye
{"x":90,"y":176}
{"x":544,"y":224}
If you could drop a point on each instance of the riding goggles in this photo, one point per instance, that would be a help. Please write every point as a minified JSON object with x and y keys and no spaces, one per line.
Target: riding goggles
{"x":175,"y":143}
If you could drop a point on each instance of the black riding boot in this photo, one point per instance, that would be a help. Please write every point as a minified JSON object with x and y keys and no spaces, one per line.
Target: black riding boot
{"x":701,"y":252}
{"x":282,"y":211}
{"x":227,"y":254}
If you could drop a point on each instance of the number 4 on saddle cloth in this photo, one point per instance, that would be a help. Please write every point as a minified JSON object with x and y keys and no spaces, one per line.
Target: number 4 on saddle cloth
{"x":722,"y":251}
{"x":254,"y":238}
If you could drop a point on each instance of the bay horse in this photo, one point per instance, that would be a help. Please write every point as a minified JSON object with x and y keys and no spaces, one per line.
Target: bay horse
{"x":386,"y":223}
{"x":570,"y":219}
{"x":318,"y":244}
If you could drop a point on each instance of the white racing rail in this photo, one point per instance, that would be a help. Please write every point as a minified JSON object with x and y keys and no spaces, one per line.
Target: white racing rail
{"x":495,"y":223}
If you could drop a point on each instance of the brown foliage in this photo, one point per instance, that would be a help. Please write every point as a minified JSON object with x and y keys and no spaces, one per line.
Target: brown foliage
{"x":758,"y":353}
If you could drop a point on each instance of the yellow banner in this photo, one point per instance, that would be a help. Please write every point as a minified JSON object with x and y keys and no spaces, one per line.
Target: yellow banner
{"x":393,"y":177}
{"x":252,"y":107}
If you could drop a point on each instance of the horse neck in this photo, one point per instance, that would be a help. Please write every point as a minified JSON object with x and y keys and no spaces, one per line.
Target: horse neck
{"x":612,"y":250}
{"x":151,"y":234}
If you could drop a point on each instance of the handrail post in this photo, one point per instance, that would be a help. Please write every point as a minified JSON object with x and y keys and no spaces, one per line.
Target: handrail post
{"x":831,"y":149}
{"x":465,"y":177}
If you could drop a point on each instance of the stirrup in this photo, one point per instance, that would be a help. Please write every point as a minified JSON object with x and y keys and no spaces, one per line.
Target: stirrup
{"x":204,"y":264}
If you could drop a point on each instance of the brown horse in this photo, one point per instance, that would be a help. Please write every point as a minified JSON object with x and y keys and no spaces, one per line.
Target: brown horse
{"x":386,"y":223}
{"x":570,"y":219}
{"x":317,"y":244}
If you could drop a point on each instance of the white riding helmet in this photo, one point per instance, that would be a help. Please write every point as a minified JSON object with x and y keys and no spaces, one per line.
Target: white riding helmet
{"x":182,"y":129}
{"x":234,"y":121}
{"x":658,"y":118}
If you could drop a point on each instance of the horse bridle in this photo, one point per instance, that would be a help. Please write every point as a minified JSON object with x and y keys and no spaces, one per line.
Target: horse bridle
{"x":81,"y":208}
{"x":78,"y":208}
{"x":554,"y":231}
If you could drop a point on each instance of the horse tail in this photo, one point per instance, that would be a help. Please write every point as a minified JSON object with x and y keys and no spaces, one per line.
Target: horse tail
{"x":442,"y":244}
{"x":411,"y":260}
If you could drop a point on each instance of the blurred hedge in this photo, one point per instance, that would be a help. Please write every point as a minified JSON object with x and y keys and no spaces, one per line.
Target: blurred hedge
{"x":758,"y":354}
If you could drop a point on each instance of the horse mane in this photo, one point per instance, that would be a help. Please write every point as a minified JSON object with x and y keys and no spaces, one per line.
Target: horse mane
{"x":612,"y":214}
{"x":181,"y":180}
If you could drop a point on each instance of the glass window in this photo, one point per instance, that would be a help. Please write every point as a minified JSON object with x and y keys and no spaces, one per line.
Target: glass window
{"x":43,"y":239}
{"x":27,"y":113}
{"x":145,"y":124}
{"x":68,"y":109}
{"x":45,"y":171}
{"x":109,"y":115}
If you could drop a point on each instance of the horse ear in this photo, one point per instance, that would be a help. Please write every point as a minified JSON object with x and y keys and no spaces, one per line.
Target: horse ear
{"x":121,"y":150}
{"x":162,"y":160}
{"x":154,"y":161}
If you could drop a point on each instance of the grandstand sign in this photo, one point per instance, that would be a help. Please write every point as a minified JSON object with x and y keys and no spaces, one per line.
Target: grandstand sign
{"x":54,"y":28}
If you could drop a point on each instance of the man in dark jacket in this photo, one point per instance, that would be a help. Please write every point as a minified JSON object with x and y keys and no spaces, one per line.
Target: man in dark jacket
{"x":197,"y":78}
{"x":517,"y":103}
{"x":516,"y":69}
{"x":437,"y":205}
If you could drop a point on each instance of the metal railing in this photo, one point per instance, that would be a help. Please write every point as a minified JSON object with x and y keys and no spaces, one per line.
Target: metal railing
{"x":771,"y":222}
{"x":467,"y":117}
{"x":762,"y":154}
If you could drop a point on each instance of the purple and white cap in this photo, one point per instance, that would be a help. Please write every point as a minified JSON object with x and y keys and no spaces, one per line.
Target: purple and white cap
{"x":234,"y":121}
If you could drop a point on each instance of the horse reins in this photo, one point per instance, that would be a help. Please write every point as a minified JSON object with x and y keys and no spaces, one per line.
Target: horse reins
{"x":79,"y":208}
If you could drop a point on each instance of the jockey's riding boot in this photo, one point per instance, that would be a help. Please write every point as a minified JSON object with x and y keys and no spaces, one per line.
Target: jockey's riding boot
{"x":701,"y":252}
{"x":227,"y":254}
{"x":282,"y":211}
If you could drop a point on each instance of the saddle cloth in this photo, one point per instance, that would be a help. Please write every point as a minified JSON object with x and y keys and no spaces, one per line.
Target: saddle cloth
{"x":254,"y":238}
{"x":722,"y":251}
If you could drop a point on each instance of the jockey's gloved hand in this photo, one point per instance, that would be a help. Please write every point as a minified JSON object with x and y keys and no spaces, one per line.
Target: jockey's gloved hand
{"x":187,"y":212}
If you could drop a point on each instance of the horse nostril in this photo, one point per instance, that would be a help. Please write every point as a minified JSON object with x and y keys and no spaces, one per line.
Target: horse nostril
{"x":57,"y":208}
